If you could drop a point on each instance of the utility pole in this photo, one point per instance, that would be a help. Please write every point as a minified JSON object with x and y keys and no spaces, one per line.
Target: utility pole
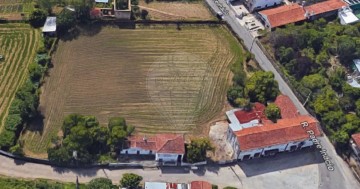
{"x":77,"y":182}
{"x":307,"y":99}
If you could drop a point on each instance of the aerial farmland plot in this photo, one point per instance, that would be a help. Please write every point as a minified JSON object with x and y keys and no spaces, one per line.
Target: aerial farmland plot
{"x":12,"y":9}
{"x":162,"y":80}
{"x":18,"y":43}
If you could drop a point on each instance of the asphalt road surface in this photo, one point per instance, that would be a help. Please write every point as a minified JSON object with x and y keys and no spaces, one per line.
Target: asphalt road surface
{"x":342,"y":176}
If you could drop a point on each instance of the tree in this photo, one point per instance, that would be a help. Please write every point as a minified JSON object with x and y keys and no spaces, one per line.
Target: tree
{"x":262,"y":87}
{"x":116,"y":121}
{"x":243,"y":103}
{"x":7,"y":139}
{"x":130,"y":180}
{"x":333,"y":119}
{"x":357,"y":109}
{"x":229,"y":187}
{"x":17,"y":150}
{"x":65,"y":21}
{"x":101,"y":183}
{"x":313,"y":82}
{"x":284,"y":54}
{"x":337,"y":78}
{"x":326,"y":101}
{"x":196,"y":150}
{"x":234,"y":93}
{"x":35,"y":72}
{"x":37,"y":18}
{"x":272,"y":112}
{"x":60,"y":156}
{"x":144,"y":14}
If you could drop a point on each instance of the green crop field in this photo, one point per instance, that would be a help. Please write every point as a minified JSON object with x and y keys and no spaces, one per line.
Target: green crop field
{"x":12,"y":9}
{"x":18,"y":43}
{"x":162,"y":80}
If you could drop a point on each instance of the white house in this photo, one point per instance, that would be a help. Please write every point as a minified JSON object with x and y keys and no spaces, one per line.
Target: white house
{"x":261,"y":4}
{"x":268,"y":138}
{"x":347,"y":16}
{"x":355,"y":144}
{"x":167,"y":148}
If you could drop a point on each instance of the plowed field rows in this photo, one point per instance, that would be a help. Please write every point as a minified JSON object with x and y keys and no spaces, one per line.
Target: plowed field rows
{"x":18,"y":43}
{"x":159,"y":79}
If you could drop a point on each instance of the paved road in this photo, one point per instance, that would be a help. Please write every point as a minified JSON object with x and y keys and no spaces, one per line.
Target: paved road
{"x":342,"y":176}
{"x":12,"y":168}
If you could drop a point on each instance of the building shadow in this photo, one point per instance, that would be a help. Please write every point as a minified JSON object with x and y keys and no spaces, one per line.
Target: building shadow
{"x":174,"y":170}
{"x":78,"y":171}
{"x":281,"y":161}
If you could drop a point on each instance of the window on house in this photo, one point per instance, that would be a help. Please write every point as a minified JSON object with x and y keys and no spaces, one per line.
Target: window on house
{"x":246,"y":157}
{"x":256,"y":155}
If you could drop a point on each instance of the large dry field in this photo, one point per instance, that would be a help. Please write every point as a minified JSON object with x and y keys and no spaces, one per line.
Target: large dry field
{"x":160,"y":79}
{"x":18,"y":43}
{"x":176,"y":10}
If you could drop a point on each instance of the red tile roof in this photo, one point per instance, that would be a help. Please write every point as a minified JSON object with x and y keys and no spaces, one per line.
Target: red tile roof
{"x":282,"y":132}
{"x":356,"y":138}
{"x":287,"y":107}
{"x":161,"y":143}
{"x":95,"y":12}
{"x":287,"y":14}
{"x":325,"y":6}
{"x":257,"y":112}
{"x":200,"y":185}
{"x":283,"y":15}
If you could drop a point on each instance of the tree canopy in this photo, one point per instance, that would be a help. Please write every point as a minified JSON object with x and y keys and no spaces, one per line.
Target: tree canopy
{"x":262,"y":87}
{"x":37,"y":18}
{"x":130,"y":180}
{"x":196,"y":150}
{"x":84,"y":136}
{"x":272,"y":112}
{"x":101,"y":183}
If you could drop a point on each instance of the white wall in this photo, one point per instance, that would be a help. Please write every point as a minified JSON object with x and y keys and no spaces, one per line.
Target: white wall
{"x":249,"y":152}
{"x":280,"y":147}
{"x":135,"y":151}
{"x":261,"y":4}
{"x":167,"y":157}
{"x":307,"y":143}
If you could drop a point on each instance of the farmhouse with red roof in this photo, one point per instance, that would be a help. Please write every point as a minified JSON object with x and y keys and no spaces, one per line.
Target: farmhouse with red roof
{"x":294,"y":13}
{"x":251,"y":134}
{"x":167,"y":148}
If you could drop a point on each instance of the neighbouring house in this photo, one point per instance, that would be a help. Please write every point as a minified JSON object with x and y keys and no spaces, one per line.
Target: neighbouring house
{"x":295,"y":13}
{"x":261,"y":4}
{"x":164,"y":185}
{"x":123,"y":10}
{"x":268,"y":138}
{"x":167,"y":148}
{"x":347,"y":16}
{"x":49,"y":28}
{"x":355,"y":144}
{"x":354,"y":78}
{"x":200,"y":185}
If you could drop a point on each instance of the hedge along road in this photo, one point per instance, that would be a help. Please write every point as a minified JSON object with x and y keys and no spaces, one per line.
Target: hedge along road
{"x":342,"y":176}
{"x":223,"y":176}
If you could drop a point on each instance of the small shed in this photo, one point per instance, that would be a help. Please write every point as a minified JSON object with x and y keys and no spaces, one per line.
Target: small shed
{"x":49,"y":26}
{"x":356,"y":65}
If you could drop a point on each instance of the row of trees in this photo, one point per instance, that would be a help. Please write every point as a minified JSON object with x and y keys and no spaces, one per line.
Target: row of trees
{"x":260,"y":87}
{"x":84,"y":141}
{"x":309,"y":52}
{"x":129,"y":180}
{"x":24,"y":106}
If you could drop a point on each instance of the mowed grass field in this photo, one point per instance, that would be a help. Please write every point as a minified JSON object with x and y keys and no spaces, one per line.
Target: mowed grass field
{"x":12,"y":9}
{"x":162,"y":80}
{"x":18,"y":43}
